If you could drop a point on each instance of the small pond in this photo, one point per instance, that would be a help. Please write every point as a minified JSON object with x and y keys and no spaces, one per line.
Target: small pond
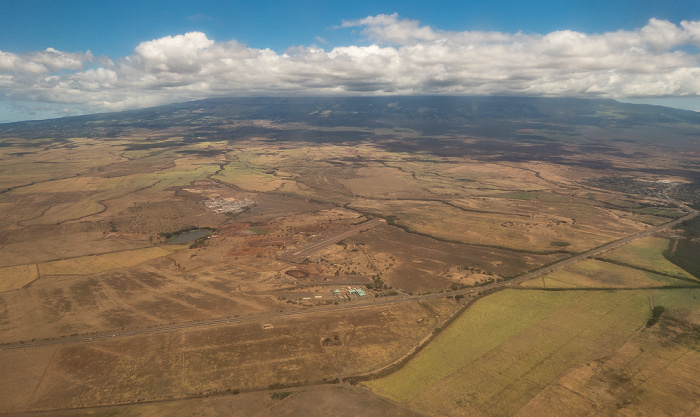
{"x":186,"y":237}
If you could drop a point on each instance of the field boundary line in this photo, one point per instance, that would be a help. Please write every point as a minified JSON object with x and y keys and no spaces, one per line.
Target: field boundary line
{"x":666,"y":287}
{"x":641,"y":268}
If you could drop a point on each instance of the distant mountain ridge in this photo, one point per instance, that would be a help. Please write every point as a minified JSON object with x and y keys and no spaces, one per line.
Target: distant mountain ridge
{"x":357,"y":109}
{"x":599,"y":134}
{"x":436,"y":122}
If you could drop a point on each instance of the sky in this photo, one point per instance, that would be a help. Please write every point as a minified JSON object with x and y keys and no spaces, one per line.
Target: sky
{"x":69,"y":57}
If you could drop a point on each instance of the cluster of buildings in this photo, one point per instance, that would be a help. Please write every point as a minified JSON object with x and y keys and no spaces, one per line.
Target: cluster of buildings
{"x":229,"y":204}
{"x":357,"y":291}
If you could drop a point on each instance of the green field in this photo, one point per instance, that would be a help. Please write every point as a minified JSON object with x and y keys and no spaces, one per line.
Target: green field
{"x":670,"y":213}
{"x":183,"y":173}
{"x":598,"y":274}
{"x":509,"y":346}
{"x":681,"y":303}
{"x":249,"y":178}
{"x":646,"y":253}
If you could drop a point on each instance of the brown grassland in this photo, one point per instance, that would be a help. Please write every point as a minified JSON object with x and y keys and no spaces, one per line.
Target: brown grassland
{"x":100,"y":314}
{"x":215,"y":359}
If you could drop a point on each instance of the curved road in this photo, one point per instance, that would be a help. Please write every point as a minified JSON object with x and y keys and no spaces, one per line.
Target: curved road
{"x":347,"y":306}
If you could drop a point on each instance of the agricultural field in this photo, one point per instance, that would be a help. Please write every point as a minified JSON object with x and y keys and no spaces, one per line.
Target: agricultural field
{"x":249,"y":179}
{"x":508,"y":347}
{"x":654,"y":373}
{"x":16,"y":277}
{"x":56,"y":242}
{"x":94,"y":264}
{"x":598,"y":274}
{"x":647,"y":253}
{"x":160,"y":291}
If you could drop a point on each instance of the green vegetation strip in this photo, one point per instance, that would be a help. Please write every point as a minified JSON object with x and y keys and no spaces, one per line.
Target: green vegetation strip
{"x":686,"y":256}
{"x":646,"y":254}
{"x":671,"y":275}
{"x":593,"y":273}
{"x":512,"y":344}
{"x":684,"y":253}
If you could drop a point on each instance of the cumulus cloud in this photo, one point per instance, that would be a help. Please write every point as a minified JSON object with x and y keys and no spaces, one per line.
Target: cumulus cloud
{"x":42,"y":62}
{"x":389,"y":28}
{"x":660,"y":59}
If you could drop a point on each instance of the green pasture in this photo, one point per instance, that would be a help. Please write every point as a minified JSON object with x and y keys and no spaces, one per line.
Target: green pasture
{"x":510,"y":345}
{"x":518,"y":195}
{"x":23,"y":173}
{"x":664,"y":212}
{"x":183,"y":175}
{"x":598,"y":274}
{"x":678,"y":302}
{"x":646,"y":253}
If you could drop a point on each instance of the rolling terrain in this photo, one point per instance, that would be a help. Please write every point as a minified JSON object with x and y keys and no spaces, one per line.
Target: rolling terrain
{"x":418,"y":255}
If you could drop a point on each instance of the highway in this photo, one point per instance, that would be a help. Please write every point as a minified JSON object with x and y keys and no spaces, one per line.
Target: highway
{"x":360,"y":304}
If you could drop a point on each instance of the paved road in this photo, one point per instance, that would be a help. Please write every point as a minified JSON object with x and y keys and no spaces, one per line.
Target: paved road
{"x":369,"y":303}
{"x":311,"y":248}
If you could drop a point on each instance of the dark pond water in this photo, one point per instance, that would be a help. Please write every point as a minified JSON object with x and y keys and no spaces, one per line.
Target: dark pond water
{"x":189,"y":236}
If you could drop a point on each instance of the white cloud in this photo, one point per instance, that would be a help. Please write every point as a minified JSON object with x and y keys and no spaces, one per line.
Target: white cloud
{"x":389,"y":28}
{"x":42,"y":62}
{"x":658,"y":60}
{"x":173,"y":54}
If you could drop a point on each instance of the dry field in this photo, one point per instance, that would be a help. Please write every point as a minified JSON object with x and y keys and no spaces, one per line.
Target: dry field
{"x":214,"y":359}
{"x":653,"y":374}
{"x":334,"y":400}
{"x":152,"y":293}
{"x":16,"y":277}
{"x":581,"y":227}
{"x":94,"y":264}
{"x":418,"y":264}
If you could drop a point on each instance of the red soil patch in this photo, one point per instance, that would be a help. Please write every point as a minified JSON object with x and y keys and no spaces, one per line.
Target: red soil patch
{"x":244,"y":251}
{"x":233,"y":229}
{"x":265,"y":243}
{"x":297,"y":273}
